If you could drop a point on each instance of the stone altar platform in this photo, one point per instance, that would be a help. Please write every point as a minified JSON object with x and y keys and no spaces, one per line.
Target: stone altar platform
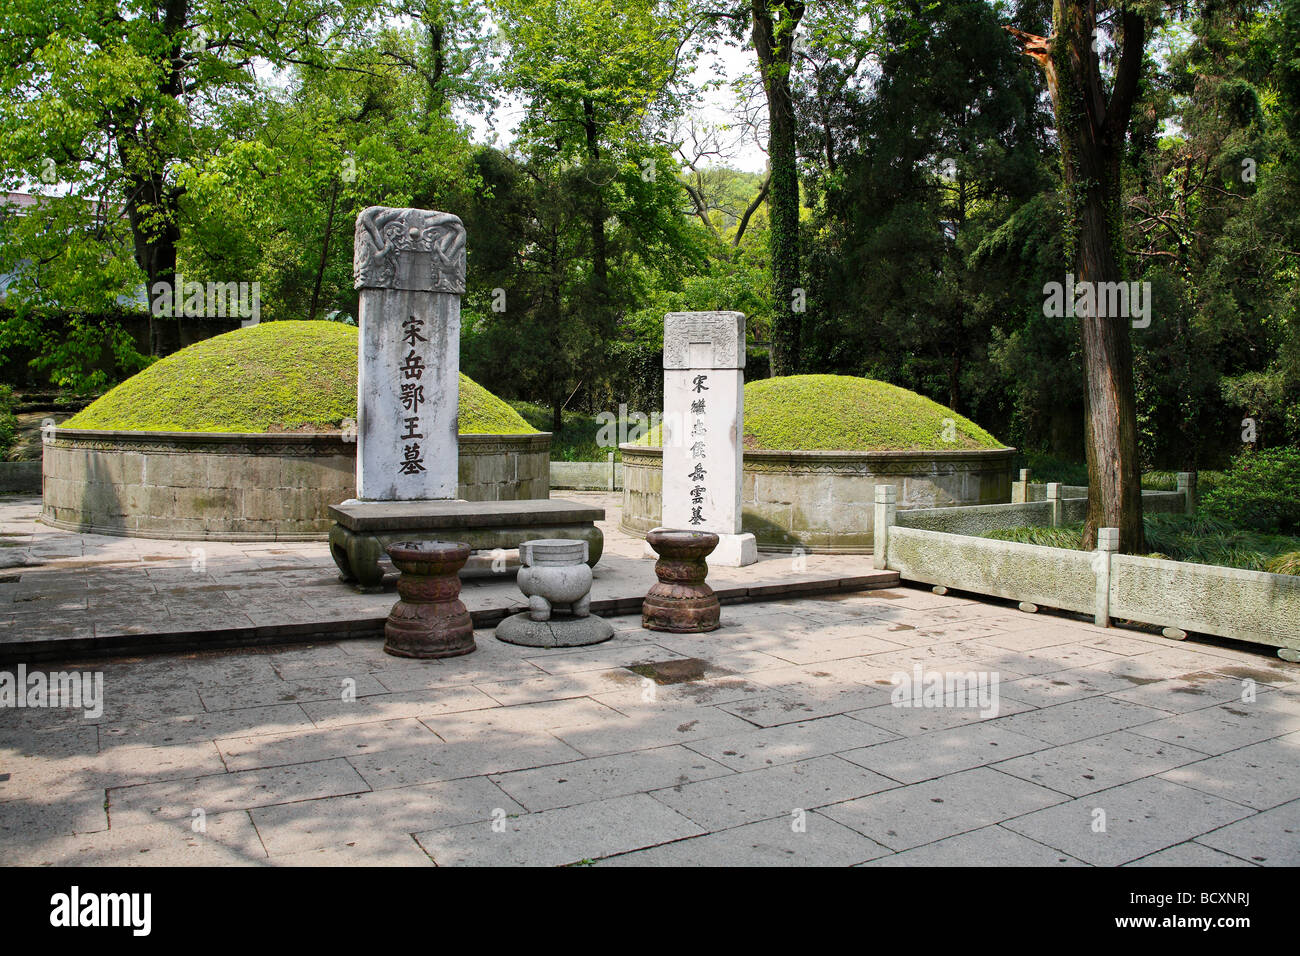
{"x":364,"y":528}
{"x":64,"y":594}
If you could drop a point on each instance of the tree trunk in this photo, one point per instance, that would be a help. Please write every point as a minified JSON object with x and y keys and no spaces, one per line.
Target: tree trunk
{"x":1091,"y":126}
{"x":151,"y":210}
{"x":437,"y":57}
{"x":324,"y":252}
{"x":774,"y":45}
{"x":597,"y":216}
{"x":151,"y":203}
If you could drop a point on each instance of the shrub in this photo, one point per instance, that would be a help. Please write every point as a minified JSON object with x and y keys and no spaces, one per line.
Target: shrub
{"x":1259,"y":490}
{"x":1044,"y":468}
{"x":8,"y":421}
{"x":1288,"y":563}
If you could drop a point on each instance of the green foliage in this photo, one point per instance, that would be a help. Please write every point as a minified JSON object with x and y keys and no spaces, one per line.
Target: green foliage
{"x":276,"y":376}
{"x":1288,"y":563}
{"x":1259,"y":490}
{"x":577,"y":438}
{"x":1068,"y":536}
{"x":1202,"y":539}
{"x":842,"y":413}
{"x":1047,"y":468}
{"x":902,"y":287}
{"x":8,"y":420}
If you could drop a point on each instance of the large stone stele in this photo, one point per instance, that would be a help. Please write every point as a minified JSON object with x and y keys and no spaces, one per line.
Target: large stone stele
{"x":704,"y":410}
{"x":409,"y":266}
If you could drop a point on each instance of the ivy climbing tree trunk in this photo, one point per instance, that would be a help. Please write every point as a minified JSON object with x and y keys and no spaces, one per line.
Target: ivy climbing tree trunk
{"x":1091,"y":127}
{"x":775,"y":23}
{"x":597,"y":216}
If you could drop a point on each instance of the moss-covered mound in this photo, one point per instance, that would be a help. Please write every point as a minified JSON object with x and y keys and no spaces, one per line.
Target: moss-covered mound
{"x":844,"y":413}
{"x":272,"y":377}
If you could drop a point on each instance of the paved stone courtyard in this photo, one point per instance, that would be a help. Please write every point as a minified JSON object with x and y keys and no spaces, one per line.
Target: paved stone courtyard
{"x":771,"y":741}
{"x":780,"y":746}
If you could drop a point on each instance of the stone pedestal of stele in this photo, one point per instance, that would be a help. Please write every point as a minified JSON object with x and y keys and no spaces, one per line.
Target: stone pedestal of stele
{"x":409,"y":265}
{"x":703,"y":428}
{"x":556,"y":579}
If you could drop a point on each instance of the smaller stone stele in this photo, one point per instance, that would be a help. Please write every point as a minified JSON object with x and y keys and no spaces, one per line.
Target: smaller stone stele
{"x":681,"y":602}
{"x":556,"y":579}
{"x":429,"y":620}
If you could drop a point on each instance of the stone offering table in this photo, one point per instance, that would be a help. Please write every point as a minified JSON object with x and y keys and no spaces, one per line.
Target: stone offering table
{"x":363,"y":529}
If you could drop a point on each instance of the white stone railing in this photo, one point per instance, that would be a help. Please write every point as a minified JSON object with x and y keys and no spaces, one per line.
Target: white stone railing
{"x":1181,"y":597}
{"x":588,"y":475}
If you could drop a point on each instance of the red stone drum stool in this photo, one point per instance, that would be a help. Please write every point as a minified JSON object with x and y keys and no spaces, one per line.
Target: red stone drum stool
{"x":429,"y":620}
{"x":681,"y":602}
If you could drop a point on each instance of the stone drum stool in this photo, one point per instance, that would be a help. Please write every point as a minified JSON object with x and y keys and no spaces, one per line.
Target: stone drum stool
{"x":429,"y":620}
{"x":556,"y":580}
{"x":681,"y":602}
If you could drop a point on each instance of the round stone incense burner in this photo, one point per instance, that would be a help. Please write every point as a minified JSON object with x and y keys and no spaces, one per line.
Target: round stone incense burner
{"x":681,"y":602}
{"x":429,"y":620}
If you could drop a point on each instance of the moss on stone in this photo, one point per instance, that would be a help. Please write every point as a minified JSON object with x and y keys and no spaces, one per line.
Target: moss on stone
{"x":272,"y":377}
{"x":845,"y":413}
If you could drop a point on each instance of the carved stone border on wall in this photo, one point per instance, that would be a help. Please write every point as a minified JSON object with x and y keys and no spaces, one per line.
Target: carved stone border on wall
{"x":853,"y":463}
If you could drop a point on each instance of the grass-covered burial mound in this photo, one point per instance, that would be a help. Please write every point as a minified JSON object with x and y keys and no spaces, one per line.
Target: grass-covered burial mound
{"x":272,"y":377}
{"x":845,"y":413}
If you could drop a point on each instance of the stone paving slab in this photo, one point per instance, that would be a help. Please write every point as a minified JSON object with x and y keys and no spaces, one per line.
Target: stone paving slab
{"x":1260,"y":776}
{"x":1189,"y":855}
{"x":807,"y":840}
{"x":335,"y":754}
{"x":1127,"y":822}
{"x":755,"y":795}
{"x":222,"y":839}
{"x":381,"y":818}
{"x":993,"y":846}
{"x":1098,"y":763}
{"x":1271,"y":838}
{"x":788,"y":743}
{"x":598,"y":778}
{"x":908,"y":817}
{"x":215,"y":793}
{"x":914,"y":759}
{"x":559,"y":837}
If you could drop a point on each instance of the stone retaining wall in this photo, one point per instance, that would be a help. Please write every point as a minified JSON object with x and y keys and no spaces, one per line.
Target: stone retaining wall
{"x":245,"y":487}
{"x":825,"y":501}
{"x":20,"y":477}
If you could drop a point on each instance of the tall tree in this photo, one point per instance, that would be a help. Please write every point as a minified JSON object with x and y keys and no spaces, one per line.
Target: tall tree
{"x":915,"y":170}
{"x":112,"y":99}
{"x":1092,"y":119}
{"x":775,"y":23}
